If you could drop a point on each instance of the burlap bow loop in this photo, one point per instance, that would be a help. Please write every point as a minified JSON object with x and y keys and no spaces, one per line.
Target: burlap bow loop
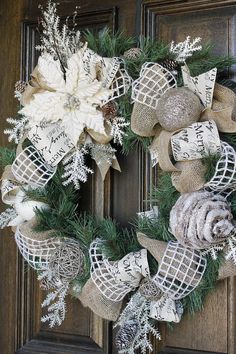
{"x":223,"y":110}
{"x":116,"y":279}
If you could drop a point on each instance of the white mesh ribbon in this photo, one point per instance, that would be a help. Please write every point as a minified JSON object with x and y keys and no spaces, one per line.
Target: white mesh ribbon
{"x":36,"y":252}
{"x":225,"y":172}
{"x":117,"y":79}
{"x":166,"y":309}
{"x":29,"y":167}
{"x":180,"y":271}
{"x":153,"y":82}
{"x":116,"y":279}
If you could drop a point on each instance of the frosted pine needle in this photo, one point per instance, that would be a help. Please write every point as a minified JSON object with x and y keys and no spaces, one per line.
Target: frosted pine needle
{"x":138,"y":308}
{"x":184,"y":50}
{"x":214,"y":251}
{"x":117,"y":129}
{"x":59,"y":41}
{"x":102,"y":153}
{"x":18,"y":129}
{"x":231,"y":249}
{"x":55,"y":300}
{"x":75,"y":170}
{"x":7,"y":216}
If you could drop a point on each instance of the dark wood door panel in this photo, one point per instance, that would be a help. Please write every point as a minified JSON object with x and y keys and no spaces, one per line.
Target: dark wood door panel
{"x":212,"y":330}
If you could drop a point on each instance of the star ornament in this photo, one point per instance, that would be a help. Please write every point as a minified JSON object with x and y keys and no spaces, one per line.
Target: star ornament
{"x":72,"y":99}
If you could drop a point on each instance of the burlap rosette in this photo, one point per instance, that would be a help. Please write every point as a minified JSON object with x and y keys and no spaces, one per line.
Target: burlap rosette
{"x":92,"y":298}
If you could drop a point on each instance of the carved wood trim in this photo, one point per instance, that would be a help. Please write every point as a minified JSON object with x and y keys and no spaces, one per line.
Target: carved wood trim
{"x":46,"y":347}
{"x":150,"y":9}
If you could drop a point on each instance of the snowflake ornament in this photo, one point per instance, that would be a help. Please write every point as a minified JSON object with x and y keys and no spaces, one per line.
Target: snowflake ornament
{"x":75,"y":169}
{"x":17,"y":132}
{"x":184,"y":50}
{"x":117,"y":129}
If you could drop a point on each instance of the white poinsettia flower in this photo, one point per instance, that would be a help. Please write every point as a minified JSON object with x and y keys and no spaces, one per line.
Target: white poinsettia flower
{"x":73,"y":98}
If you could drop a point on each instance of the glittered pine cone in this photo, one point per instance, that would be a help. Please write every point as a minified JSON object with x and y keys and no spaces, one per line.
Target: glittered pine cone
{"x":201,"y":220}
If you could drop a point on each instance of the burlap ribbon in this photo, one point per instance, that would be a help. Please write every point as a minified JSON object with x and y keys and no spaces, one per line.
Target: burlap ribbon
{"x":223,"y":110}
{"x":92,"y":298}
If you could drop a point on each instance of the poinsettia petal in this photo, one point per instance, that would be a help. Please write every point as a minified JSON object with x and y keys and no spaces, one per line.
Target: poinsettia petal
{"x":74,"y":71}
{"x":51,"y":71}
{"x":73,"y":126}
{"x":45,"y":106}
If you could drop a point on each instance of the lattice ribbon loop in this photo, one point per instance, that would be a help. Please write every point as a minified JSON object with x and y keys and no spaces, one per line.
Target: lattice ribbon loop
{"x":116,"y":279}
{"x":154,"y":80}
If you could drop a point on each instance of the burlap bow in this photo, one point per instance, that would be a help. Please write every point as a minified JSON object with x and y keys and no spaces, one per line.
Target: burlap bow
{"x":223,"y":113}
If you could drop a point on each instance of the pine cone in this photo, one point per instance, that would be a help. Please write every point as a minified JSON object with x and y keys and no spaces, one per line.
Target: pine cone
{"x":201,"y":219}
{"x":150,"y":290}
{"x":126,"y":334}
{"x":110,"y":110}
{"x":20,"y":86}
{"x":132,"y":53}
{"x":171,"y":65}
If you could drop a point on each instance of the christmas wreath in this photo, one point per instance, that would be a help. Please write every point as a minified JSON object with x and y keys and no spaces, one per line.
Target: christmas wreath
{"x":84,"y":98}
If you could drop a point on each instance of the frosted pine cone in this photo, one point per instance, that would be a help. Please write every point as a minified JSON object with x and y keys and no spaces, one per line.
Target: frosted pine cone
{"x":201,"y":220}
{"x":126,"y":334}
{"x":132,"y":53}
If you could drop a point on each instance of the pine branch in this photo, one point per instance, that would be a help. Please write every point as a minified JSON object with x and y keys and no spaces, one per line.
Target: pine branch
{"x":108,"y":44}
{"x":7,"y":156}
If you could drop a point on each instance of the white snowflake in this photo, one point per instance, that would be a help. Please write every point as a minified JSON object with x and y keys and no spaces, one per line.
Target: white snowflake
{"x":102,"y":153}
{"x":184,"y":50}
{"x":138,"y":308}
{"x":117,"y":129}
{"x":6,"y":217}
{"x":214,"y":251}
{"x":73,"y":98}
{"x":18,"y":130}
{"x":75,"y":169}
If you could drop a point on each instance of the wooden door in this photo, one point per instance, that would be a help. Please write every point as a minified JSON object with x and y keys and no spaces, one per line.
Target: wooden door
{"x":121,"y":196}
{"x":20,"y":297}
